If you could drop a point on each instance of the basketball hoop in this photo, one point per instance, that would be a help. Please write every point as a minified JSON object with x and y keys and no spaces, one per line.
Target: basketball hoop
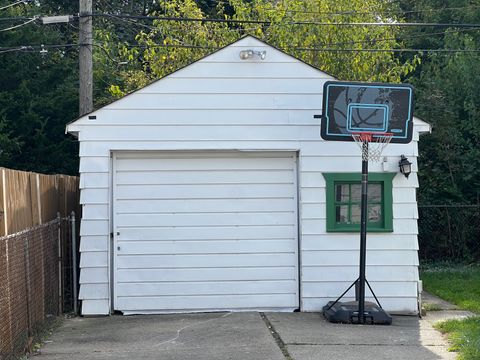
{"x":376,"y":142}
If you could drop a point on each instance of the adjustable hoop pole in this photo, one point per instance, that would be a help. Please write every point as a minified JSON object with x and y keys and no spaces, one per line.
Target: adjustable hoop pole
{"x":363,"y":236}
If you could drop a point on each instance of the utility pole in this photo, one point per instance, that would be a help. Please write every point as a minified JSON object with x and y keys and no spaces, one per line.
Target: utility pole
{"x":85,"y":57}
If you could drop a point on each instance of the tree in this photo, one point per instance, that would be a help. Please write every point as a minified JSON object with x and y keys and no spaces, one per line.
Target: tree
{"x":38,"y":95}
{"x":168,"y":45}
{"x":448,"y":96}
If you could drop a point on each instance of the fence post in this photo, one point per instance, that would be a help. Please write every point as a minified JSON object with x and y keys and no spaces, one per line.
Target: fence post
{"x":3,"y":205}
{"x":7,"y":343}
{"x":27,"y":282}
{"x":60,"y":264}
{"x":74,"y":263}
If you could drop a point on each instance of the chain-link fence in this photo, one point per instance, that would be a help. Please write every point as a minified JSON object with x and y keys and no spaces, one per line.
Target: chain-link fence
{"x":69,"y":230}
{"x":449,"y":232}
{"x":34,"y":268}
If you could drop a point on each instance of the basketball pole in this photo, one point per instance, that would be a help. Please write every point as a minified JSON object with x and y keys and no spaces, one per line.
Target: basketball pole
{"x":363,"y":234}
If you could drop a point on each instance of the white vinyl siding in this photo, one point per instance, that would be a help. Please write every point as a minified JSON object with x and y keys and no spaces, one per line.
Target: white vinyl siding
{"x":229,"y":117}
{"x":211,"y":231}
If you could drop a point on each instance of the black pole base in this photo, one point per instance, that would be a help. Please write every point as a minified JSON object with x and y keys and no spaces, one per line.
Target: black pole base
{"x":347,"y":313}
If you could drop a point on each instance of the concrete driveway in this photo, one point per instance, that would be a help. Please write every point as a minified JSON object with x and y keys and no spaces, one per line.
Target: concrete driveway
{"x":252,"y":336}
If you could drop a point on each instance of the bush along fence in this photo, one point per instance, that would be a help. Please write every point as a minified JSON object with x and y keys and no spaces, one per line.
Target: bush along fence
{"x":36,"y":255}
{"x":449,"y":232}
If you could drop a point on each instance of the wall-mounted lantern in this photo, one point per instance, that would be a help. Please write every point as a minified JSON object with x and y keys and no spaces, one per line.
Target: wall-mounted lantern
{"x":405,"y":166}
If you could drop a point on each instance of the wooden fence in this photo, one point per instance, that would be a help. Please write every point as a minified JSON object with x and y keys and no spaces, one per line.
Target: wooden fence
{"x":28,"y":199}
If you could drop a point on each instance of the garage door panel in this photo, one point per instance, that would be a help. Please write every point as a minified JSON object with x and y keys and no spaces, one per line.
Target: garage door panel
{"x":215,"y":219}
{"x":202,"y":260}
{"x":211,"y":191}
{"x":206,"y":177}
{"x":202,"y":205}
{"x":208,"y":163}
{"x":136,"y":247}
{"x":205,"y":232}
{"x":205,"y":303}
{"x":207,"y":288}
{"x":207,"y":274}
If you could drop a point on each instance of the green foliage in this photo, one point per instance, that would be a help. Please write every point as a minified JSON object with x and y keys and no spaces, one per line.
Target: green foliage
{"x":38,"y":95}
{"x":448,"y":96}
{"x":154,"y":55}
{"x":286,"y":34}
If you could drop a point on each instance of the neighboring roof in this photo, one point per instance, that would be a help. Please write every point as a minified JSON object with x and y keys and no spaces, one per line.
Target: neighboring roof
{"x":420,"y":124}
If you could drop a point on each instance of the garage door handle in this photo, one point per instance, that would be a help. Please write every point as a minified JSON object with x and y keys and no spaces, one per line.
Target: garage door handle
{"x":118,"y":247}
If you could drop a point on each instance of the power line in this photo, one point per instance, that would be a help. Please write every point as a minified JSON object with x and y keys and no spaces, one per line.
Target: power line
{"x":19,"y":25}
{"x":266,"y":22}
{"x":184,"y":46}
{"x":35,"y":48}
{"x":10,"y":18}
{"x":371,"y":41}
{"x":307,"y":23}
{"x":353,"y":12}
{"x":13,"y":4}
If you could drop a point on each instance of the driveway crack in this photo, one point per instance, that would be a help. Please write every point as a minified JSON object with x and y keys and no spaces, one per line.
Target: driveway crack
{"x":276,"y":336}
{"x":179,"y":331}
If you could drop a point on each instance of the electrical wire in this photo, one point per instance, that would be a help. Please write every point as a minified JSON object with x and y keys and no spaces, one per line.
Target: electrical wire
{"x":9,"y":18}
{"x":342,"y":13}
{"x":20,"y":48}
{"x":19,"y":25}
{"x":308,"y":23}
{"x":12,"y":4}
{"x":371,"y":41}
{"x":33,"y":47}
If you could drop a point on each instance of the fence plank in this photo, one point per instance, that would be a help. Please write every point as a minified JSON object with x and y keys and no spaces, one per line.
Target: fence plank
{"x":17,"y":194}
{"x":34,"y":199}
{"x":62,"y":198}
{"x":3,"y":214}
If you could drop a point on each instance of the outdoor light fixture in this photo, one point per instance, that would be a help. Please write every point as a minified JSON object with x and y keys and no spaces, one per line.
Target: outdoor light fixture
{"x":405,"y":166}
{"x":248,"y":54}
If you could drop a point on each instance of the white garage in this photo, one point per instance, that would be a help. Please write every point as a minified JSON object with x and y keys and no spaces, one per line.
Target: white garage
{"x":205,"y":231}
{"x":211,"y":189}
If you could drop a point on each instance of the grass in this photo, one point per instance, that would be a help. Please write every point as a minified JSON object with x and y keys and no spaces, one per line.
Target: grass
{"x":464,"y":335}
{"x":431,"y":307}
{"x":460,"y":285}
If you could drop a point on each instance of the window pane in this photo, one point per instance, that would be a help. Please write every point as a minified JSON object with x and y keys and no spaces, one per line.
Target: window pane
{"x":341,"y":193}
{"x":374,"y":193}
{"x":356,"y":192}
{"x":341,"y":214}
{"x":374,"y":213}
{"x":356,"y":214}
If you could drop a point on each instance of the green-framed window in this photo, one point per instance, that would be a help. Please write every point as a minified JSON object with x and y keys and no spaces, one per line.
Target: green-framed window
{"x":344,"y":199}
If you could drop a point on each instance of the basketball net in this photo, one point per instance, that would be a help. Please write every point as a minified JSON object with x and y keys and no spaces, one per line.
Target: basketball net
{"x":377,"y":142}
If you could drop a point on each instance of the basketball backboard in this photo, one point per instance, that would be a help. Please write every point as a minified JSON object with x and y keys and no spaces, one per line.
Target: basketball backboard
{"x":354,"y":107}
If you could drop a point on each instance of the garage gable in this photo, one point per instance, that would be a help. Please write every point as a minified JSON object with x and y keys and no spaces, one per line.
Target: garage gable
{"x":211,"y":79}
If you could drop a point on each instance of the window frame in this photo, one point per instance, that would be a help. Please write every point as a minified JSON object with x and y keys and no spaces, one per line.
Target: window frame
{"x":385,"y":179}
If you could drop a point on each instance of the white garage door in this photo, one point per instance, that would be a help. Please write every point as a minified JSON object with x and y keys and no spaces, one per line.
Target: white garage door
{"x":205,"y":232}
